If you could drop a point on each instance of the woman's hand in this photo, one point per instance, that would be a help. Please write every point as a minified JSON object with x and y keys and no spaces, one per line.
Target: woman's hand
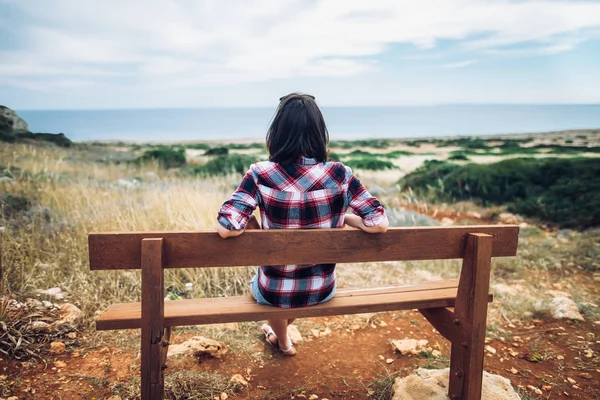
{"x":356,"y":222}
{"x":225,"y":233}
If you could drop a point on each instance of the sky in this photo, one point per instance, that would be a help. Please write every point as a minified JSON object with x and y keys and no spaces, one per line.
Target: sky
{"x":115,"y":54}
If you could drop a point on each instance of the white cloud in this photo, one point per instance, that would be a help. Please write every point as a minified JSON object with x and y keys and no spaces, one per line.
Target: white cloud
{"x":461,"y":64}
{"x":156,"y":43}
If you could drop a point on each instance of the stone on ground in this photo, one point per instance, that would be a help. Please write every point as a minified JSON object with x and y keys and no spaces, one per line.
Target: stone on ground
{"x":408,"y":346}
{"x":294,"y":334}
{"x":198,"y":346}
{"x":69,"y":314}
{"x":432,"y":384}
{"x":564,"y":308}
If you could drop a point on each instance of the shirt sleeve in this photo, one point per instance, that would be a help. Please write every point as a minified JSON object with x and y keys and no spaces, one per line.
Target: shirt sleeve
{"x":363,"y":204}
{"x":236,"y":211}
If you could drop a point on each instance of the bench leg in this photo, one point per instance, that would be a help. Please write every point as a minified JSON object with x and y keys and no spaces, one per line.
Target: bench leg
{"x":466,"y":362}
{"x":152,"y":347}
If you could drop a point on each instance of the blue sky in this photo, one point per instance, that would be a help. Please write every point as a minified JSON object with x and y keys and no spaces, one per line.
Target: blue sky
{"x":71,"y":54}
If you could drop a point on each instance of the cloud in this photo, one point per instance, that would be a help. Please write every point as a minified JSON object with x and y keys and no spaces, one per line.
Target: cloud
{"x":461,"y":64}
{"x":154,"y":43}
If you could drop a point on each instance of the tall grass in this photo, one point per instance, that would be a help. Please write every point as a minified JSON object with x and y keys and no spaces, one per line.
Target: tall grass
{"x":47,"y":246}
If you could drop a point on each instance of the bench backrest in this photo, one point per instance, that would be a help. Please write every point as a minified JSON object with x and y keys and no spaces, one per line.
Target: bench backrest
{"x":112,"y":250}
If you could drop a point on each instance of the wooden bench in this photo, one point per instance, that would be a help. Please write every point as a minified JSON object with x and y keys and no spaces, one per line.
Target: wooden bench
{"x":152,"y":252}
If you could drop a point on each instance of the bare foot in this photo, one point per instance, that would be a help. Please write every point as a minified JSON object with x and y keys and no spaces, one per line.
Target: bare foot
{"x":287,"y":347}
{"x":269,"y":334}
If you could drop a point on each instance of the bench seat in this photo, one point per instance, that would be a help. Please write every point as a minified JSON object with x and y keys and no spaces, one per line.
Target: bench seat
{"x":244,"y":308}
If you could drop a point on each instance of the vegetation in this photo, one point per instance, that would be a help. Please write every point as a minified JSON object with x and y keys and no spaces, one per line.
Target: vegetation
{"x":563,"y":192}
{"x":351,"y":144}
{"x":225,"y":165}
{"x":167,"y":157}
{"x":369,"y":163}
{"x":217,"y":151}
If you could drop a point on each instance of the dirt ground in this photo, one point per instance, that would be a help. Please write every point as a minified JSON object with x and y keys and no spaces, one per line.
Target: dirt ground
{"x":354,"y":361}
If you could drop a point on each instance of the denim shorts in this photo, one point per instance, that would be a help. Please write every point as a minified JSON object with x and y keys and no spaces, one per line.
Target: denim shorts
{"x":261,"y":300}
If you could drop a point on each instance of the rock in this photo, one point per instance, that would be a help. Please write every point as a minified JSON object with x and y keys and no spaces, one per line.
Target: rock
{"x":128,"y":183}
{"x":53,"y":293}
{"x":60,"y":364}
{"x":534,"y":389}
{"x":389,"y":360}
{"x":13,"y":398}
{"x":72,"y":335}
{"x":490,"y":349}
{"x":294,"y":334}
{"x":313,"y":397}
{"x":223,"y":396}
{"x":408,"y":346}
{"x":564,"y":308}
{"x":47,"y":304}
{"x":433,"y":385}
{"x":69,"y":314}
{"x":57,"y":347}
{"x":10,"y":122}
{"x":198,"y":346}
{"x":151,"y":176}
{"x":239,"y":379}
{"x":40,"y":326}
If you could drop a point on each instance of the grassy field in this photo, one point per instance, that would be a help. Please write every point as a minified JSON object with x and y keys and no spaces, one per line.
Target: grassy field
{"x":52,"y":197}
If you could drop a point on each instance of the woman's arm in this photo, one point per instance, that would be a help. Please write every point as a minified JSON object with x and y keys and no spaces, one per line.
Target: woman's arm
{"x":356,"y":222}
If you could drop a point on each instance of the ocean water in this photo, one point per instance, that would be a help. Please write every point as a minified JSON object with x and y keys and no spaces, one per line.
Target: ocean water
{"x":343,"y":122}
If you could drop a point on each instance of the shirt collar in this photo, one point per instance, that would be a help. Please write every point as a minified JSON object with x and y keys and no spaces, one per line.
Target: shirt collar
{"x":306,"y":161}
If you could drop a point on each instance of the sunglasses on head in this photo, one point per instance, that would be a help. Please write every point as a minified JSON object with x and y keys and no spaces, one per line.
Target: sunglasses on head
{"x":296,"y":95}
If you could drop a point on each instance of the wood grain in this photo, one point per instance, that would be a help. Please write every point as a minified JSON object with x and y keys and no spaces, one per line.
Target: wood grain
{"x":466,"y":362}
{"x":274,"y":247}
{"x":152,"y":319}
{"x":244,"y":308}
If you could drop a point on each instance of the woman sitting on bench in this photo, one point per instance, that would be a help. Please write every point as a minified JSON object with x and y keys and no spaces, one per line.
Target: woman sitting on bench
{"x":298,"y":189}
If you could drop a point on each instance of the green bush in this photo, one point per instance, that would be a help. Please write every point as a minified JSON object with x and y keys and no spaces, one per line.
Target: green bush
{"x":223,"y":165}
{"x":167,"y":157}
{"x":369,"y":163}
{"x":333,"y":157}
{"x":217,"y":151}
{"x":458,"y":156}
{"x":563,"y":192}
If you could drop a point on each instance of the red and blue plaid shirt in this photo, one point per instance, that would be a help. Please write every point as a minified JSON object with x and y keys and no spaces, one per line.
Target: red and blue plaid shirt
{"x":303,"y":195}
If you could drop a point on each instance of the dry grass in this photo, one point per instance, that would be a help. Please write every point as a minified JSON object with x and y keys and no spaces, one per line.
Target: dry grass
{"x":49,"y":248}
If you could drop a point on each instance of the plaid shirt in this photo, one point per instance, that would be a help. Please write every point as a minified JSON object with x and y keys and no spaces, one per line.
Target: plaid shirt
{"x":304,"y":195}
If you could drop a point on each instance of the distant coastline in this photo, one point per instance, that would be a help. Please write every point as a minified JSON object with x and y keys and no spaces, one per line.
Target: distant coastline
{"x":344,"y":123}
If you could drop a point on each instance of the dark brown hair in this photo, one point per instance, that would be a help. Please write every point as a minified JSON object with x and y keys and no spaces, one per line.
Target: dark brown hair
{"x":298,"y":130}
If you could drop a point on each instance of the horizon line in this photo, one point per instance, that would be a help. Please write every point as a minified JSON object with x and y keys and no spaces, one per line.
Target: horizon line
{"x":322,"y":106}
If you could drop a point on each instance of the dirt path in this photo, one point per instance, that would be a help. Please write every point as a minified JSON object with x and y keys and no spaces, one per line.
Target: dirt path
{"x":560,"y":359}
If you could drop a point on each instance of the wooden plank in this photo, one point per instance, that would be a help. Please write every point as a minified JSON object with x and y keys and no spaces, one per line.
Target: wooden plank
{"x":446,"y":324}
{"x":289,"y":246}
{"x":152,"y":319}
{"x":243,"y":308}
{"x":466,"y":363}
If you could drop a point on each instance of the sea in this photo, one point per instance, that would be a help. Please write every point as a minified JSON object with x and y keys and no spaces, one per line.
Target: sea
{"x":344,"y":123}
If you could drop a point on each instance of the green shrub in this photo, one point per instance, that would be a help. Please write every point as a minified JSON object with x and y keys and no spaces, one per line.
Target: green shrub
{"x":369,"y":163}
{"x":167,"y":157}
{"x":223,"y":165}
{"x":217,"y":151}
{"x":458,"y":156}
{"x":333,"y":157}
{"x":564,"y":192}
{"x":245,"y":146}
{"x":11,"y":204}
